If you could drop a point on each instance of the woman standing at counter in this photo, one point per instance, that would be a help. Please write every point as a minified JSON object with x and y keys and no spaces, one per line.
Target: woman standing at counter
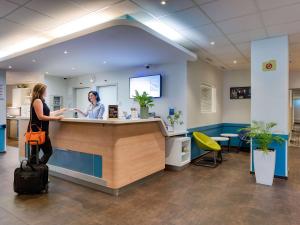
{"x":40,"y":116}
{"x":96,"y":108}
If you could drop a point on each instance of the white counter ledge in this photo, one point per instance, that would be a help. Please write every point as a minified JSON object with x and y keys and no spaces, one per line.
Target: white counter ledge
{"x":121,"y":121}
{"x":109,"y":121}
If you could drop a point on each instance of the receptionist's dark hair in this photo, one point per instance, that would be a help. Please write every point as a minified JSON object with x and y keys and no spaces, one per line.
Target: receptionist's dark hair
{"x":94,"y":93}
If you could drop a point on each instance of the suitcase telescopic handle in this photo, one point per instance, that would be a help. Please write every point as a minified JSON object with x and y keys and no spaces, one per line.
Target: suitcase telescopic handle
{"x":37,"y":150}
{"x":28,"y":164}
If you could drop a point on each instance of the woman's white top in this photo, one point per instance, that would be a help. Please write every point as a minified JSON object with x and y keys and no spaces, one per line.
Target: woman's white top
{"x":95,"y":111}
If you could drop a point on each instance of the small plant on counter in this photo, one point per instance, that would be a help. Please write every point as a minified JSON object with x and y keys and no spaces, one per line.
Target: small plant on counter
{"x":175,"y":119}
{"x":145,"y":101}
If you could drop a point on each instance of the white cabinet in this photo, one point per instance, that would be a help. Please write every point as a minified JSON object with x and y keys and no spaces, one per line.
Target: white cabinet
{"x":20,"y":96}
{"x":178,"y":151}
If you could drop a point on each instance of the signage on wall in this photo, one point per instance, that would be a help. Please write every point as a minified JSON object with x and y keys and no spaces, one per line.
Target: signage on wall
{"x":240,"y":92}
{"x":269,"y":65}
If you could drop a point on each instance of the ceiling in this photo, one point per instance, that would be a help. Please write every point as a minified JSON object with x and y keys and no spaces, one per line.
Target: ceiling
{"x":231,"y":24}
{"x":114,"y":48}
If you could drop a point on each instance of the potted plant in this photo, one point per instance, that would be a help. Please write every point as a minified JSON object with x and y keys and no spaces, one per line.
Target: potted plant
{"x":145,"y":101}
{"x":264,"y":156}
{"x":174,"y":119}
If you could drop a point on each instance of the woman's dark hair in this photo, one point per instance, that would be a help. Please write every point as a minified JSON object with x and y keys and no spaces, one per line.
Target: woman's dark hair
{"x":96,"y":95}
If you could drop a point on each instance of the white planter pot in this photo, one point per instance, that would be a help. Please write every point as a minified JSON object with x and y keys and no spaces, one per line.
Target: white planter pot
{"x":264,"y":165}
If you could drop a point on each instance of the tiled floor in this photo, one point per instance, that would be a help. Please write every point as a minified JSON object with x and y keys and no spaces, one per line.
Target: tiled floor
{"x":226,"y":195}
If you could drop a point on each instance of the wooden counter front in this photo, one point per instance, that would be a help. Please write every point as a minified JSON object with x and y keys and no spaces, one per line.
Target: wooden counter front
{"x":130,"y":151}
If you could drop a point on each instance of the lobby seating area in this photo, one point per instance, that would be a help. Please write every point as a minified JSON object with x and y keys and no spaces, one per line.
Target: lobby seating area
{"x":149,"y":112}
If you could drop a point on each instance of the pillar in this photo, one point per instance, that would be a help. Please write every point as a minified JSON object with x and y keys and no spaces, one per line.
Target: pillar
{"x":2,"y":111}
{"x":270,"y":92}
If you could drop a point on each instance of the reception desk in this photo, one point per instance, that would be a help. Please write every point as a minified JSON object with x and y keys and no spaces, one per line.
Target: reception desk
{"x":104,"y":154}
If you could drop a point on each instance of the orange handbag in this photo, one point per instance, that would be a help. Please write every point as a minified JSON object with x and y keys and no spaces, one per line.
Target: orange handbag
{"x":33,"y":138}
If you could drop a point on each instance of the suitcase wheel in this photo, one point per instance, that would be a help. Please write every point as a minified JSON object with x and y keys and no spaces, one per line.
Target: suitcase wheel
{"x":46,"y":188}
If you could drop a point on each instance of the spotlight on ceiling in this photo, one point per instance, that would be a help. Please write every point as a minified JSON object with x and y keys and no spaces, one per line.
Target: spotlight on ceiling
{"x":9,"y":67}
{"x":93,"y":79}
{"x":66,"y":52}
{"x":104,"y":62}
{"x":212,"y":43}
{"x":234,"y":61}
{"x":163,"y":2}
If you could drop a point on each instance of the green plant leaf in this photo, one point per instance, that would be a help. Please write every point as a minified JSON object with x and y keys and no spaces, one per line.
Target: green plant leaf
{"x":262,"y":134}
{"x":144,"y":100}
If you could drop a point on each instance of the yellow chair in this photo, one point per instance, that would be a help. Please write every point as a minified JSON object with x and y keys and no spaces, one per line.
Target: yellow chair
{"x":205,"y":143}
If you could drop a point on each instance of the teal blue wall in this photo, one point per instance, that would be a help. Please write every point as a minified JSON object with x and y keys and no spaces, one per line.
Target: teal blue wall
{"x":2,"y":137}
{"x":77,"y":161}
{"x":215,"y":130}
{"x":281,"y":164}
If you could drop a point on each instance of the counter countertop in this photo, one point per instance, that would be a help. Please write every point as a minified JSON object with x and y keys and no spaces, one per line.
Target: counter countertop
{"x":108,"y":121}
{"x":120,"y":121}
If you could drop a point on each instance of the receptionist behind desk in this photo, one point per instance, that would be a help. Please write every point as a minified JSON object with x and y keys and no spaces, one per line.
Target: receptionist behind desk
{"x":95,"y":110}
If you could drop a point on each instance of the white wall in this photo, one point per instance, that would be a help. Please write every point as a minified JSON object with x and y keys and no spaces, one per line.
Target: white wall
{"x":173,"y":90}
{"x":3,"y":100}
{"x":23,"y":78}
{"x":270,"y":96}
{"x":236,"y":110}
{"x":56,"y":86}
{"x":200,"y":72}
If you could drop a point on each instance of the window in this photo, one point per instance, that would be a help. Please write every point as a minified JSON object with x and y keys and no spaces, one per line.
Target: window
{"x":207,"y":98}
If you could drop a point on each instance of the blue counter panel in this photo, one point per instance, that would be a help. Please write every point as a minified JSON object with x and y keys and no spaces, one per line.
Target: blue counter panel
{"x":77,"y":161}
{"x":2,"y":137}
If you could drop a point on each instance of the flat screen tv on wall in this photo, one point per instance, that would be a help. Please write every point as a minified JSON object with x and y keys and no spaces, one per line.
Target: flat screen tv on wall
{"x":150,"y":84}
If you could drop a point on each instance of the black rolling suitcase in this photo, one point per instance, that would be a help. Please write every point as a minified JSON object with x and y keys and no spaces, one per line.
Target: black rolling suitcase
{"x":31,"y":177}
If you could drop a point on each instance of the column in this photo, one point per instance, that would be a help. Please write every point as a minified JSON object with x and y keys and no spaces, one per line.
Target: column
{"x":270,"y":92}
{"x":2,"y":111}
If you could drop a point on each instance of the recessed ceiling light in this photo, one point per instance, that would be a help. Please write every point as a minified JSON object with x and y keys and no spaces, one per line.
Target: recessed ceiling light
{"x":163,"y":2}
{"x":234,"y":61}
{"x":46,"y":72}
{"x":212,"y":43}
{"x":66,"y":52}
{"x":33,"y":60}
{"x":104,"y":62}
{"x":9,"y":67}
{"x":73,"y":68}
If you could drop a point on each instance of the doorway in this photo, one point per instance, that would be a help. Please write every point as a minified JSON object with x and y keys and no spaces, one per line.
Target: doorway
{"x":81,"y":99}
{"x":109,"y":96}
{"x":295,"y":117}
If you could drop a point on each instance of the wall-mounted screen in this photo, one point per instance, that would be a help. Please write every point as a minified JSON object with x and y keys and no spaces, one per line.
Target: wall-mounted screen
{"x":150,"y":84}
